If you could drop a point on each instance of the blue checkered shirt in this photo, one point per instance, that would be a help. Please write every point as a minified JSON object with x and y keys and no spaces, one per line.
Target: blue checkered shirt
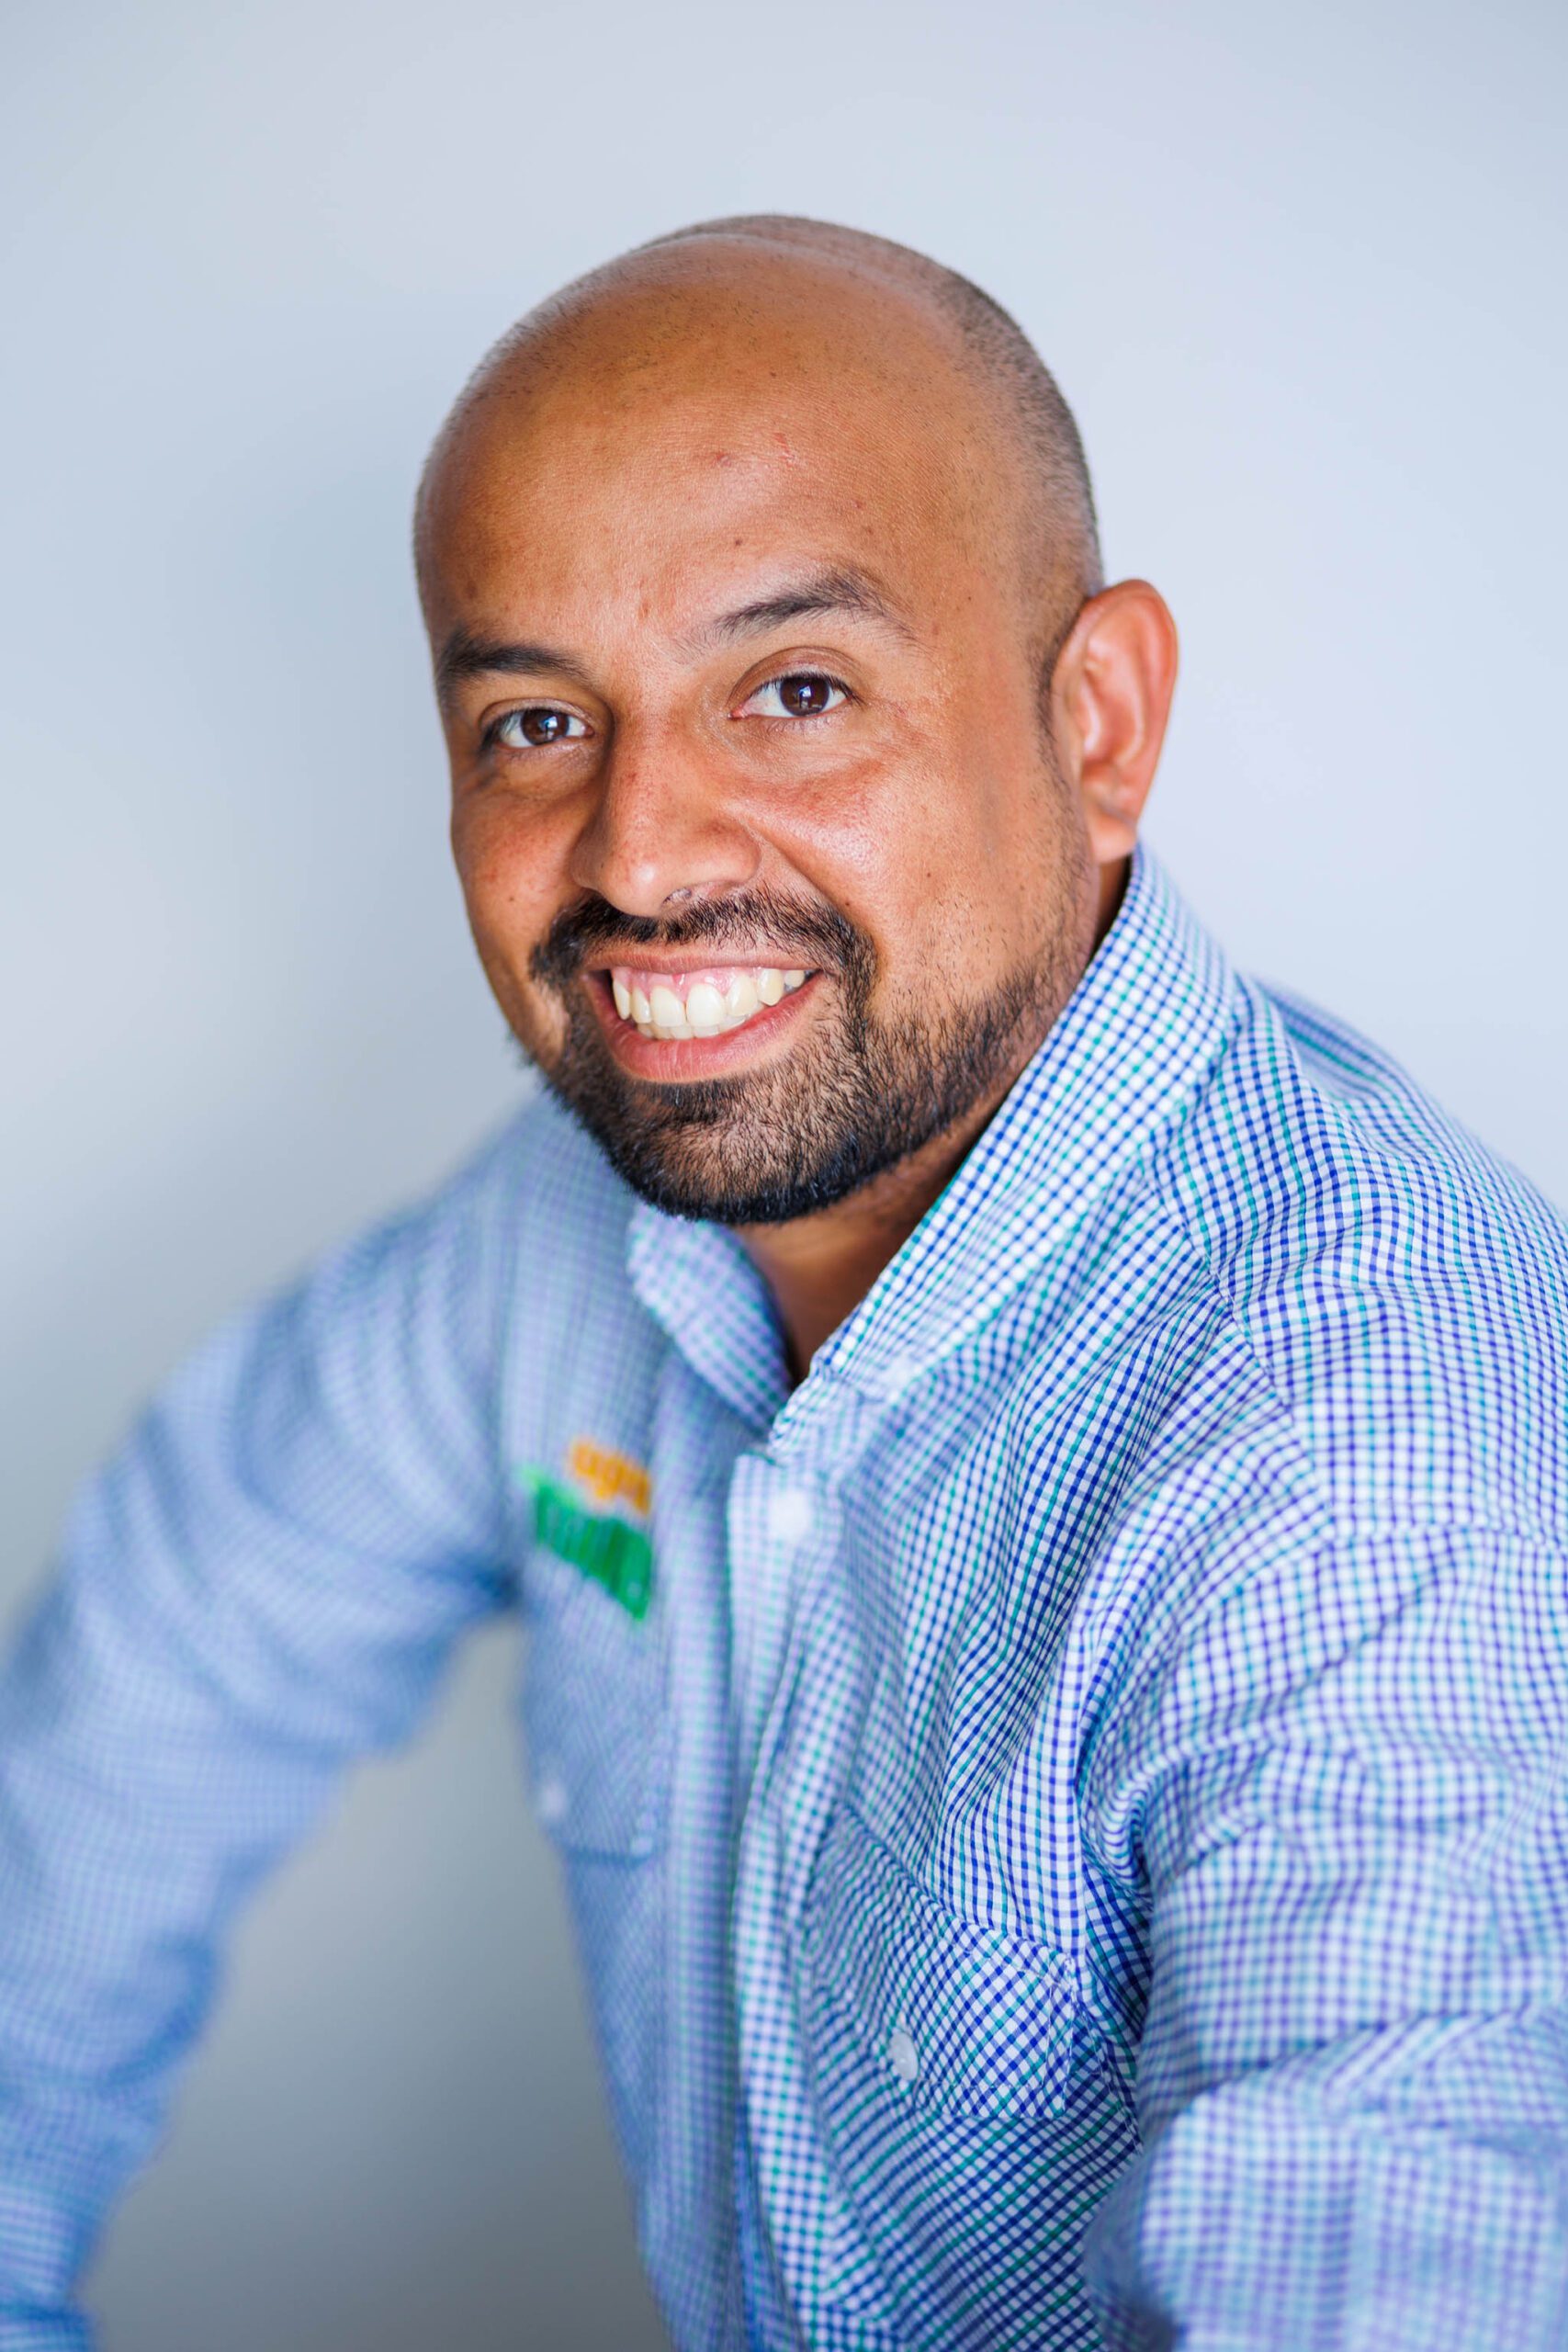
{"x":1074,"y":1849}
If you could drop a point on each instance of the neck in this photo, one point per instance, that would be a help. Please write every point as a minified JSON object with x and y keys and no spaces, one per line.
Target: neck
{"x":819,"y":1268}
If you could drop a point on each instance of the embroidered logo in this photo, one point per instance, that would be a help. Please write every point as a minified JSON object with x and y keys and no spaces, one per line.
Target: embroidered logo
{"x":603,"y":1544}
{"x":609,"y":1477}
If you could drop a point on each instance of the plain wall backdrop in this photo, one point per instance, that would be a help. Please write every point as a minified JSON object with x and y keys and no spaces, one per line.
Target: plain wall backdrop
{"x":1298,"y":270}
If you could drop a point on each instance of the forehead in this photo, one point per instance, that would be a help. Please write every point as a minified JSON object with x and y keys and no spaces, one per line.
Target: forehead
{"x":657,"y":445}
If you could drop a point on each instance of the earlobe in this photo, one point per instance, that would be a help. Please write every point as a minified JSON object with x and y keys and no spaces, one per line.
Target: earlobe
{"x":1111,"y":695}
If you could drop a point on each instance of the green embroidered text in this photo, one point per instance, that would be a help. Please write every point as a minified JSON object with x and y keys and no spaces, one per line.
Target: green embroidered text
{"x":610,"y":1550}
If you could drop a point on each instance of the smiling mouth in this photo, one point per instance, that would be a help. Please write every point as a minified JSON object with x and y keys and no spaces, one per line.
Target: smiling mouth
{"x":709,"y":1003}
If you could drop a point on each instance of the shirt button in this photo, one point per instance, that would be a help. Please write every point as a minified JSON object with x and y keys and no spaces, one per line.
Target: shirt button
{"x":902,"y":2055}
{"x":550,"y":1801}
{"x":790,"y":1515}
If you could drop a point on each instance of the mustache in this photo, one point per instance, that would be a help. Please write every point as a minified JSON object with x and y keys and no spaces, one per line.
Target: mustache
{"x":819,"y":937}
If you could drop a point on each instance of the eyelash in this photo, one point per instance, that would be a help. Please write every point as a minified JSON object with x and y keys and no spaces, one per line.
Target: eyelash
{"x":489,"y":740}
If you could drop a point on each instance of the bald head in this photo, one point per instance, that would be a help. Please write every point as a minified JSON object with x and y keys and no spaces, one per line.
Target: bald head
{"x":772,"y":307}
{"x":992,"y":345}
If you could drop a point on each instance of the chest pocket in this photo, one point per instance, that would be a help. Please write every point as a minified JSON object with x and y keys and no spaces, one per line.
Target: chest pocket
{"x":594,"y":1713}
{"x":959,"y":2019}
{"x":959,"y":2114}
{"x":966,"y":2125}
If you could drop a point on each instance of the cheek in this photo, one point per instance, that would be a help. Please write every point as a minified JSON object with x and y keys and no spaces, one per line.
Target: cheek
{"x":873,"y":836}
{"x":935,"y":856}
{"x":505,"y":876}
{"x":506,"y":872}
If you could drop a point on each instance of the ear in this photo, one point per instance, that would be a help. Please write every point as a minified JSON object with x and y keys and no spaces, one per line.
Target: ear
{"x":1110,"y":695}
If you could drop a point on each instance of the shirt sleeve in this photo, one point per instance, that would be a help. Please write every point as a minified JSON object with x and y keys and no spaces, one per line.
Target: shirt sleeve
{"x":1345,"y":1789}
{"x":262,"y":1584}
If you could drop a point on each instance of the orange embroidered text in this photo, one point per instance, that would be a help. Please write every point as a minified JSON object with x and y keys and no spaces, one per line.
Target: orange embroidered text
{"x":610,"y":1476}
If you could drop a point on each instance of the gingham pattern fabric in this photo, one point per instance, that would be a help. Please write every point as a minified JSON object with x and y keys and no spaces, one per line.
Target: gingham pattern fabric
{"x":1077,"y":1849}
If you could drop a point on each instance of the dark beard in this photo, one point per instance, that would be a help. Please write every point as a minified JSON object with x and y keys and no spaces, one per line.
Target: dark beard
{"x":763,"y":1147}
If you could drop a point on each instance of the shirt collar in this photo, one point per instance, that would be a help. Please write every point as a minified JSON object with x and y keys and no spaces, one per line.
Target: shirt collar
{"x":1128,"y":1048}
{"x":697,"y":1281}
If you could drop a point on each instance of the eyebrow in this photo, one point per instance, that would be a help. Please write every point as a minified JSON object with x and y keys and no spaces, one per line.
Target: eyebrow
{"x":840,"y":589}
{"x":465,"y":654}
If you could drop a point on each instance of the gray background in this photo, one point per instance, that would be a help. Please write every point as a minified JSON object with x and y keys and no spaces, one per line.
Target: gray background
{"x":1299,"y":270}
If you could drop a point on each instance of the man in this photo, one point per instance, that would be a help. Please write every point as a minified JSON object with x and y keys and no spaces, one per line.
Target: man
{"x":1036,"y":1470}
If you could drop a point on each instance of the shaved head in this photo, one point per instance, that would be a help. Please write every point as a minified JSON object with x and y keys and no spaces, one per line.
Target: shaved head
{"x":994,"y":346}
{"x":1033,"y":470}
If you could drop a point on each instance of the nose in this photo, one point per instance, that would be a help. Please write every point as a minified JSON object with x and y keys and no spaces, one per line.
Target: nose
{"x":663,"y":830}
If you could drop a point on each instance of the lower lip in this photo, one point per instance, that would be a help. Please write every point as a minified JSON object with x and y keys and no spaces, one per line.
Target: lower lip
{"x":674,"y":1059}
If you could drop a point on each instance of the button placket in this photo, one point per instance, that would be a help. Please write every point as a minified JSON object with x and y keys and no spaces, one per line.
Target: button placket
{"x":768,"y":1520}
{"x":792,"y":1515}
{"x":902,"y":2055}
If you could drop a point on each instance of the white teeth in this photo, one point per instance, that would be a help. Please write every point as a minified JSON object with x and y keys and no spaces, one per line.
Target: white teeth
{"x":707,"y":1011}
{"x":704,"y":1009}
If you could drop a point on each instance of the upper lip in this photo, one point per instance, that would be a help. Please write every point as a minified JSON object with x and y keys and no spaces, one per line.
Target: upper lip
{"x":694,"y":959}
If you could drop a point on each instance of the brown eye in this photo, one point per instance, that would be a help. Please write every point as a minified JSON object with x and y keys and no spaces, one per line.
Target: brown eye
{"x":805,"y":695}
{"x":800,"y":693}
{"x":538,"y":727}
